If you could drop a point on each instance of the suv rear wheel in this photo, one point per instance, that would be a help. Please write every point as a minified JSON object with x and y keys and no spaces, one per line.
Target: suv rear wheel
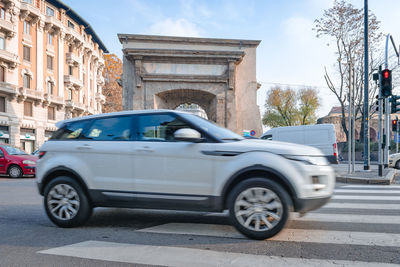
{"x":66,"y":203}
{"x":259,"y":208}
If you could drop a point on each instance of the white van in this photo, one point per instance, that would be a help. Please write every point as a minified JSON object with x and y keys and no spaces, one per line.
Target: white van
{"x":321,"y":136}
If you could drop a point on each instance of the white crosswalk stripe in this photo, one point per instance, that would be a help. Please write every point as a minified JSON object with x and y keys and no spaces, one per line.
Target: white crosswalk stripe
{"x":349,"y":220}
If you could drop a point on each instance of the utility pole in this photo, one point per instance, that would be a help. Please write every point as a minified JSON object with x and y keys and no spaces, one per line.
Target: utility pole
{"x":397,"y":134}
{"x":380,"y":106}
{"x":350,"y":129}
{"x":353,"y":131}
{"x":366,"y":113}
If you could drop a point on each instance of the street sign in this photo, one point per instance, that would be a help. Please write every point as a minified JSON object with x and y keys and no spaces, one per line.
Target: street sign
{"x":246,"y":133}
{"x":253,"y":133}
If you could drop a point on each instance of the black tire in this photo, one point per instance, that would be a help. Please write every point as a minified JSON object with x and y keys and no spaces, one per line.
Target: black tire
{"x":268,"y":185}
{"x":15,"y":171}
{"x":84,"y":211}
{"x":397,"y":166}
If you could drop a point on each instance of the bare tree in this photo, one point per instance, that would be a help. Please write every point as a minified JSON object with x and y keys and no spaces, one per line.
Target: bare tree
{"x":343,"y":23}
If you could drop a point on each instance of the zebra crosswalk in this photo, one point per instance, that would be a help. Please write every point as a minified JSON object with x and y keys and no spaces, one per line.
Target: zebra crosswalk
{"x":360,"y":226}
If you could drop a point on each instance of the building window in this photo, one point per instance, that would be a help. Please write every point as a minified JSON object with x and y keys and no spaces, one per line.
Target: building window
{"x":27,"y":27}
{"x":49,"y":62}
{"x":28,"y":1}
{"x":83,"y":60}
{"x":70,"y":49}
{"x":27,"y":53}
{"x":49,"y":12}
{"x":2,"y":104}
{"x":49,"y":38}
{"x":50,"y":88}
{"x":70,"y":70}
{"x":28,"y":109}
{"x":71,"y":25}
{"x":2,"y":74}
{"x":2,"y":13}
{"x":2,"y":43}
{"x":27,"y":81}
{"x":51,"y":113}
{"x":90,"y":66}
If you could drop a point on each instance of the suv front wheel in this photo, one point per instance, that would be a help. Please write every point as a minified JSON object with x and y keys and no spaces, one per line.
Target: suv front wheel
{"x":259,"y":208}
{"x":66,"y":203}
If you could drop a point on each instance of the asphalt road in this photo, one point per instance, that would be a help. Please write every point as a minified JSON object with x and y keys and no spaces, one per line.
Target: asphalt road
{"x":360,"y":226}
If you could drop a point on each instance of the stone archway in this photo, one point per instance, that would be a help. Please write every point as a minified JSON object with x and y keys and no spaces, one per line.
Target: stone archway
{"x":171,"y":99}
{"x":162,"y":72}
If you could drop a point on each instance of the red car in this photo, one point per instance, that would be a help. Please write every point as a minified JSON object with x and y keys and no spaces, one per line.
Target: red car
{"x":15,"y":162}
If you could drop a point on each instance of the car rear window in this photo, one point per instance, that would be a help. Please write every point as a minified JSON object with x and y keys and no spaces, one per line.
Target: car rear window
{"x":72,"y":130}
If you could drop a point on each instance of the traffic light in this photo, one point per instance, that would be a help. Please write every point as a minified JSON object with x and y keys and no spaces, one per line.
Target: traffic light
{"x":395,"y":106}
{"x":386,"y":82}
{"x":394,"y":125}
{"x":377,"y":104}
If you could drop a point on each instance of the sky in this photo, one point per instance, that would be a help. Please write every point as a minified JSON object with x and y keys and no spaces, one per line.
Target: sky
{"x":289,"y":53}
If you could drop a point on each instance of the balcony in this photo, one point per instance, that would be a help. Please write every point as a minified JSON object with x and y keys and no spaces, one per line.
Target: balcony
{"x":53,"y":99}
{"x":11,"y":59}
{"x":8,"y":88}
{"x":29,"y":10}
{"x":74,"y":105}
{"x":100,"y":98}
{"x":71,"y":81}
{"x":100,"y":79}
{"x":72,"y":59}
{"x":26,"y":93}
{"x":7,"y":27}
{"x":51,"y":22}
{"x":73,"y":35}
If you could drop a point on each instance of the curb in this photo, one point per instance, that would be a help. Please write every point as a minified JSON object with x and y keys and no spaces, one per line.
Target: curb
{"x":386,"y":180}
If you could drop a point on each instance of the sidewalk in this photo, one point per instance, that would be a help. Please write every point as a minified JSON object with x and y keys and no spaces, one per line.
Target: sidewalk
{"x":363,"y":177}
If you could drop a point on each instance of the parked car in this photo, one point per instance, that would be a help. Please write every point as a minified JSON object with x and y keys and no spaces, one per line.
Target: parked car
{"x":394,"y":160}
{"x":16,"y":162}
{"x":321,"y":136}
{"x":174,"y":160}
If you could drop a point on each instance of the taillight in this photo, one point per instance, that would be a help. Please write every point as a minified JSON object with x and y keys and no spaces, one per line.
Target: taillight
{"x":41,"y":154}
{"x":334,"y":150}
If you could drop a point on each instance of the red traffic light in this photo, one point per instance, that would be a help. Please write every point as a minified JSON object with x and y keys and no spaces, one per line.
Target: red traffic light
{"x":394,"y":122}
{"x":386,"y":74}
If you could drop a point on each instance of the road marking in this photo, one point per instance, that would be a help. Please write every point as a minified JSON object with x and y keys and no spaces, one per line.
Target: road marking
{"x":366,"y":197}
{"x":185,"y":257}
{"x":334,"y":205}
{"x":370,"y":186}
{"x":367,"y":191}
{"x":291,"y":235}
{"x":349,"y":218}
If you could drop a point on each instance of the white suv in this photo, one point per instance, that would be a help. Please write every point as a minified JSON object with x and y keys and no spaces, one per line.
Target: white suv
{"x":164,"y":159}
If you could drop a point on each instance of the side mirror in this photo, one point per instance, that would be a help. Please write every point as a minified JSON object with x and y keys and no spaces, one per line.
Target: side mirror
{"x":188,"y":135}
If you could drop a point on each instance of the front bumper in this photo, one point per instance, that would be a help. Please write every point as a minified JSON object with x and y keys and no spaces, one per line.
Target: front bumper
{"x":29,"y":170}
{"x":309,"y":204}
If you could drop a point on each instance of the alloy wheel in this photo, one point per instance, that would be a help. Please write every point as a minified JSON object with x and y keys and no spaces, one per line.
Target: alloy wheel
{"x":63,"y":202}
{"x":258,"y":209}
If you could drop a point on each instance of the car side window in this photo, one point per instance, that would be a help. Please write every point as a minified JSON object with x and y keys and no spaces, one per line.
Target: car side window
{"x":110,"y":129}
{"x":1,"y":154}
{"x":72,"y":130}
{"x":158,"y":127}
{"x":267,"y":137}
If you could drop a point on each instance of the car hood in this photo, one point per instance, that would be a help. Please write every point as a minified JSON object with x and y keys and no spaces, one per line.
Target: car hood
{"x":276,"y":147}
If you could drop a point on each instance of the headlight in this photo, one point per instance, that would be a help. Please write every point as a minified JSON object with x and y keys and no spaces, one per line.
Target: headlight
{"x":30,"y":162}
{"x":309,"y":160}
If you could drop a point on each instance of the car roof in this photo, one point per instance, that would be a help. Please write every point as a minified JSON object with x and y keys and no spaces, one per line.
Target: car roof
{"x":126,"y":112}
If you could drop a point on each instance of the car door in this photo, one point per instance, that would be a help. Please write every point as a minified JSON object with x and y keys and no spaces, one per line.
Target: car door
{"x":106,"y":150}
{"x":3,"y":162}
{"x":164,"y":165}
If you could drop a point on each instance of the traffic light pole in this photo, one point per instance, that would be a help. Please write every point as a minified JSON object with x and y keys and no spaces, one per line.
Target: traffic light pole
{"x":387,"y":133}
{"x":380,"y":154}
{"x":366,"y":92}
{"x":397,"y":135}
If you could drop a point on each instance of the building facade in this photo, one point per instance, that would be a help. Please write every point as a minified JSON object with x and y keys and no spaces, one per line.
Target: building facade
{"x":51,"y":63}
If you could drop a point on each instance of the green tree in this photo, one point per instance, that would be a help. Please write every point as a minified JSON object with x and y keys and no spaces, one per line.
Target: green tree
{"x":285,"y":107}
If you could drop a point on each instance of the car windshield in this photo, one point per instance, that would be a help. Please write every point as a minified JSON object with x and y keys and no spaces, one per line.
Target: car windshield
{"x":14,"y":151}
{"x":214,"y":130}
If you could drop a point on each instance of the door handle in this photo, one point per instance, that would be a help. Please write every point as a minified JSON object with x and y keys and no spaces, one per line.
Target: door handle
{"x":84,"y":147}
{"x":145,"y":149}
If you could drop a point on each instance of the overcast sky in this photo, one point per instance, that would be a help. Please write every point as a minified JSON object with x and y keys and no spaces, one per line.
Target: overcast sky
{"x":288,"y":54}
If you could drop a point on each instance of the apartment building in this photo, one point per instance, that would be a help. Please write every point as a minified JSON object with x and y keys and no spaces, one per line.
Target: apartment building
{"x":51,"y":63}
